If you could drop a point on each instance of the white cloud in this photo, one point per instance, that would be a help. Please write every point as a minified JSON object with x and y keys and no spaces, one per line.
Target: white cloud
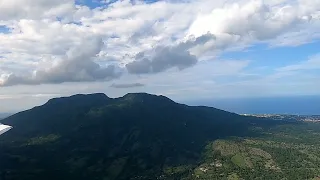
{"x":256,"y":20}
{"x":77,"y":66}
{"x":128,"y":28}
{"x":34,"y":9}
{"x":42,"y":34}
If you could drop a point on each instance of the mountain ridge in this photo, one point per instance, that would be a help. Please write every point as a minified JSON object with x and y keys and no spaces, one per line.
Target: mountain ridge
{"x":137,"y":135}
{"x":103,"y":99}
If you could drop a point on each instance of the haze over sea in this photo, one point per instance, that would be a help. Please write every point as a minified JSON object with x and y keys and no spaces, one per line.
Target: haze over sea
{"x":299,"y":105}
{"x":295,"y":105}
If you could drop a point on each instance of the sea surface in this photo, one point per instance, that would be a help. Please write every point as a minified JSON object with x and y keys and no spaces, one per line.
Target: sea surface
{"x":302,"y":105}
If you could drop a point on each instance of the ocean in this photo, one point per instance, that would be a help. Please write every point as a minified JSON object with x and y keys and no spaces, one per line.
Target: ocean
{"x":302,"y":105}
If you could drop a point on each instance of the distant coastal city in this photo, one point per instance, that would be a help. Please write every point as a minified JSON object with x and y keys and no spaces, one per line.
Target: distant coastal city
{"x":287,"y":117}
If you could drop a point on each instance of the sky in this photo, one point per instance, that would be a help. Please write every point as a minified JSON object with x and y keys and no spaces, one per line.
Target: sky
{"x":183,"y":49}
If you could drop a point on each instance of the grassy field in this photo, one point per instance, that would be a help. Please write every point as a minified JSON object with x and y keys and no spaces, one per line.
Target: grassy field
{"x":289,"y":152}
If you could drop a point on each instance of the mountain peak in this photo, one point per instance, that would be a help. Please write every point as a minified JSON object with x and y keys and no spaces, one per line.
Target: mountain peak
{"x":145,"y":97}
{"x":77,"y":98}
{"x":139,"y":94}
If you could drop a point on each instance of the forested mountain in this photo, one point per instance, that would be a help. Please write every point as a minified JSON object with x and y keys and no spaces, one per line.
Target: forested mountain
{"x":141,"y":136}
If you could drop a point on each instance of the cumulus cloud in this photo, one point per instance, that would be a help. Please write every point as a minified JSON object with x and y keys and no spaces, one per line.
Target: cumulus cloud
{"x":35,"y":9}
{"x":164,"y":58}
{"x":130,"y":85}
{"x":256,"y":20}
{"x":176,"y":36}
{"x":78,"y":66}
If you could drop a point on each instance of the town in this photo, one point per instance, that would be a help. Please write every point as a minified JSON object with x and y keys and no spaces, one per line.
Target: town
{"x":287,"y":117}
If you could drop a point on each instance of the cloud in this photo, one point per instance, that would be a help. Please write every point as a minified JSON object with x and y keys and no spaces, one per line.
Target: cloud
{"x":256,"y":20}
{"x":42,"y":33}
{"x":78,"y":66}
{"x":132,"y":85}
{"x":36,"y":9}
{"x":164,"y":58}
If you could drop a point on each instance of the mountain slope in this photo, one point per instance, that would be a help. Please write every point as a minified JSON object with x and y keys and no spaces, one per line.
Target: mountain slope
{"x":92,"y":136}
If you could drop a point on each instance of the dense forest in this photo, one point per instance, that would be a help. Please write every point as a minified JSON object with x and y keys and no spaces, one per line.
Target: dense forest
{"x":142,"y":136}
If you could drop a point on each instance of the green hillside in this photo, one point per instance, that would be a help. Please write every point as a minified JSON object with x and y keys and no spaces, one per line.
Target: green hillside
{"x":143,"y":136}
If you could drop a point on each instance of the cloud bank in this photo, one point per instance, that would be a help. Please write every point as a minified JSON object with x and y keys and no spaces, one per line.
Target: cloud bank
{"x":77,"y":66}
{"x":51,"y":42}
{"x":131,"y":85}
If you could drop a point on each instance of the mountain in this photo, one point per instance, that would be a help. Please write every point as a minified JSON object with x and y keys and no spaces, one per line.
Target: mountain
{"x":137,"y":136}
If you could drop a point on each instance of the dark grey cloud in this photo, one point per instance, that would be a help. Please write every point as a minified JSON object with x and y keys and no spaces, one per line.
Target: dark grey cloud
{"x":166,"y":57}
{"x":131,"y":85}
{"x":143,"y":66}
{"x":78,"y":66}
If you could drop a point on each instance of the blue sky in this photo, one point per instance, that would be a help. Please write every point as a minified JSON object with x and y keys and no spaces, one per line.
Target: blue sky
{"x":4,"y":29}
{"x":102,"y":3}
{"x":90,"y":3}
{"x":264,"y":55}
{"x":187,"y":50}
